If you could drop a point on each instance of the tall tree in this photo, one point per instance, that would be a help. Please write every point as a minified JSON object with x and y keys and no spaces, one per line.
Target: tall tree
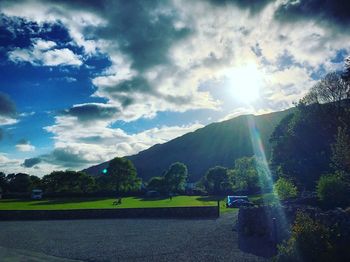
{"x":122,"y":175}
{"x":217,"y":181}
{"x":251,"y":174}
{"x":175,"y":177}
{"x":19,"y":183}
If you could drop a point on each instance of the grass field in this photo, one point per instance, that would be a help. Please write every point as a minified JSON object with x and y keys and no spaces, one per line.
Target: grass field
{"x":127,"y":202}
{"x":91,"y":203}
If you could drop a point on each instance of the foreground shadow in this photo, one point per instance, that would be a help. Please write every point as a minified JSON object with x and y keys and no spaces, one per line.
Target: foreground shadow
{"x":66,"y":201}
{"x":152,"y":198}
{"x":210,"y":198}
{"x":259,"y":246}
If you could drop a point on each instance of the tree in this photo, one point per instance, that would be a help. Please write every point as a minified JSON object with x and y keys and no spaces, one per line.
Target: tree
{"x":68,"y":182}
{"x":19,"y":183}
{"x":175,"y":177}
{"x":158,"y":184}
{"x":217,"y":181}
{"x":122,"y":175}
{"x":285,"y":188}
{"x":333,"y":190}
{"x":301,"y":143}
{"x":330,"y":89}
{"x":251,"y":174}
{"x":3,"y":182}
{"x":35,"y":181}
{"x":341,"y":151}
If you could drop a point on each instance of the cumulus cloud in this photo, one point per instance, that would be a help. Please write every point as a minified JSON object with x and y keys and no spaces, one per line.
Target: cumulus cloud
{"x":24,"y":145}
{"x":80,"y":142}
{"x":329,"y":13}
{"x":163,"y":54}
{"x":44,"y":53}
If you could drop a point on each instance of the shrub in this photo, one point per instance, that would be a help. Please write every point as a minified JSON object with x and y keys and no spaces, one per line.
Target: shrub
{"x":333,"y":190}
{"x":309,"y":241}
{"x":285,"y":188}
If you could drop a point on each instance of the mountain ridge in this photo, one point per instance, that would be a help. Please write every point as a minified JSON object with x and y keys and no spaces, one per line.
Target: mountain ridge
{"x":218,"y":143}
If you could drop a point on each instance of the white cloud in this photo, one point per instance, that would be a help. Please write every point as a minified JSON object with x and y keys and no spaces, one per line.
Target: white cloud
{"x":25,"y":147}
{"x":97,"y":142}
{"x":41,"y":53}
{"x":6,"y":120}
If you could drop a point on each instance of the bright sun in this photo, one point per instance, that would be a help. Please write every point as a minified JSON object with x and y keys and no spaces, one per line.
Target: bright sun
{"x":245,"y":82}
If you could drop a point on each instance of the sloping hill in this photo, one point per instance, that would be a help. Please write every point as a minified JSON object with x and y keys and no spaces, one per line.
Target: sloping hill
{"x":216,"y":144}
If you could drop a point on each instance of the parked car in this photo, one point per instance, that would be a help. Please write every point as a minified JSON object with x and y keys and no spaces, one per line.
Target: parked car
{"x":237,"y":201}
{"x":241,"y":203}
{"x":37,"y":194}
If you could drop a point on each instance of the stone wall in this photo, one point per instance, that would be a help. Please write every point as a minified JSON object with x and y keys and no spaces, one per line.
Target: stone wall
{"x":166,"y":212}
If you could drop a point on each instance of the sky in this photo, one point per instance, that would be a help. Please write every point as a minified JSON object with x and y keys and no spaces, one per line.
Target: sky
{"x":82,"y":82}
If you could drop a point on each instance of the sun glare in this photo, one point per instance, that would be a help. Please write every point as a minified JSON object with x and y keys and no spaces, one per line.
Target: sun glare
{"x":245,"y":82}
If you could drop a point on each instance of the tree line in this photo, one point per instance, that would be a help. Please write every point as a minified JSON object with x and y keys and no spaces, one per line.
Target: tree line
{"x":311,"y":146}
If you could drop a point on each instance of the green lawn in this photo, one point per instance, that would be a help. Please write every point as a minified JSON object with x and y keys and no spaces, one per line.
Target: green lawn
{"x":87,"y":203}
{"x":127,"y":202}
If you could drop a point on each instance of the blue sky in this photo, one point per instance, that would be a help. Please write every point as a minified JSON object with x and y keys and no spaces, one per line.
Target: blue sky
{"x":84,"y":81}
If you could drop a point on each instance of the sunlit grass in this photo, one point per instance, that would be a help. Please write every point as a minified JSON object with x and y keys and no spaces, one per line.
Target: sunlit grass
{"x":127,"y":202}
{"x":95,"y":203}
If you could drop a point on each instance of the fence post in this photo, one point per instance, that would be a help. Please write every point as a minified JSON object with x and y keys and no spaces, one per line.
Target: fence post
{"x":218,"y":208}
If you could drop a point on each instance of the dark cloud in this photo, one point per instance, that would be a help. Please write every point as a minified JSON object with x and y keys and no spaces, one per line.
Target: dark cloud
{"x":30,"y":162}
{"x":137,"y":84}
{"x":323,"y":11}
{"x":91,"y":112}
{"x":254,"y":6}
{"x":257,"y":50}
{"x":7,"y":106}
{"x":63,"y":157}
{"x":22,"y":142}
{"x":142,"y":31}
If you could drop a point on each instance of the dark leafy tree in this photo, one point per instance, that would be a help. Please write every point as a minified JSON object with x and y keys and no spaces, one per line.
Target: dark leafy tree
{"x":175,"y":177}
{"x":334,"y":190}
{"x":68,"y":182}
{"x":158,"y":184}
{"x":301,"y":143}
{"x":341,"y":151}
{"x":121,"y":176}
{"x":19,"y":183}
{"x":36,"y":182}
{"x":3,"y":182}
{"x":217,"y":181}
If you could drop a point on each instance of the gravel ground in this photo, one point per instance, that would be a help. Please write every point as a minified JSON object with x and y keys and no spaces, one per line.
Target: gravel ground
{"x":128,"y":239}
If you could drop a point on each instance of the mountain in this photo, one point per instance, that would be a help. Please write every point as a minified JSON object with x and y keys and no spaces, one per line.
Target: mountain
{"x":215,"y":144}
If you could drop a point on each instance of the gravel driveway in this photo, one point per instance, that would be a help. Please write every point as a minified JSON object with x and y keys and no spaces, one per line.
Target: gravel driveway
{"x":128,"y":239}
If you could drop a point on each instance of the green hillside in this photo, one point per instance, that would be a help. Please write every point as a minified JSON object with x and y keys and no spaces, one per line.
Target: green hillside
{"x":216,"y":144}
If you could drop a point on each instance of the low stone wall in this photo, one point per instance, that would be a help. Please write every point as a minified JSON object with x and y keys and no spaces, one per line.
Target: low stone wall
{"x":166,"y":212}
